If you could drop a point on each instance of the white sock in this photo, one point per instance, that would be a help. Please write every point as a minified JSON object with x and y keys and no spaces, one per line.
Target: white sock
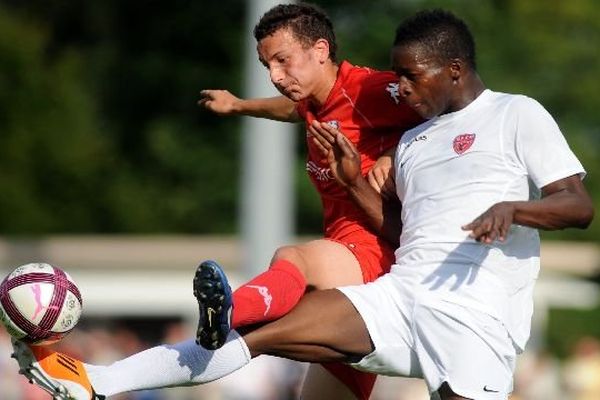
{"x":181,"y":364}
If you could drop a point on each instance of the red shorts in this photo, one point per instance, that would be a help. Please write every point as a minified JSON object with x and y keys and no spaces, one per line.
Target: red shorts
{"x":375,"y":257}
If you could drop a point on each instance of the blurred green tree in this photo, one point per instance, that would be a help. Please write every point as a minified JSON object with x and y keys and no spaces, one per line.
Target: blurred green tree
{"x":52,"y":156}
{"x":99,"y":130}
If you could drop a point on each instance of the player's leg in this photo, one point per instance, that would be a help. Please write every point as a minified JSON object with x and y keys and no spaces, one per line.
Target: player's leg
{"x":323,"y":264}
{"x":320,"y":383}
{"x":446,"y":393}
{"x":318,"y":264}
{"x":326,"y":328}
{"x":375,"y":258}
{"x":181,"y":364}
{"x":323,"y":327}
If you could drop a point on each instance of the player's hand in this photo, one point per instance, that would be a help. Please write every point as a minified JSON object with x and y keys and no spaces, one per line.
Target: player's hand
{"x":221,"y":102}
{"x":380,"y":177}
{"x":342,"y":156}
{"x":492,"y":224}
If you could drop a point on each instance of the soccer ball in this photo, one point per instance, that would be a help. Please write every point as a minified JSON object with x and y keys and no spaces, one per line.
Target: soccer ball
{"x":39,"y":304}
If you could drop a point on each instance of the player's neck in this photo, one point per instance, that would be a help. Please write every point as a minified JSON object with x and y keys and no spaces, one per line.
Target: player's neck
{"x":472,"y":87}
{"x":325,"y":85}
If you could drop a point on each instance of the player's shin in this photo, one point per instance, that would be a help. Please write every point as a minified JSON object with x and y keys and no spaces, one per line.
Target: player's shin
{"x":182,"y":364}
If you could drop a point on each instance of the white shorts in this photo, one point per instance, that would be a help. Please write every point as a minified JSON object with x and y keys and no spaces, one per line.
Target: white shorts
{"x":418,"y":336}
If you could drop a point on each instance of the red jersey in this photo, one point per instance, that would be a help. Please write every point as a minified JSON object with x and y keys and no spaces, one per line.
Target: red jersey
{"x":366,"y":106}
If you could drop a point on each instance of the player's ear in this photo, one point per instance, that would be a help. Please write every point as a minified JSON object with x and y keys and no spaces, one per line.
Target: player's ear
{"x":321,"y":48}
{"x":456,"y":69}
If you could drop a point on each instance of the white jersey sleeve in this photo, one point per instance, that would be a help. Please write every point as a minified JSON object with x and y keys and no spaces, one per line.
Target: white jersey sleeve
{"x":540,"y":145}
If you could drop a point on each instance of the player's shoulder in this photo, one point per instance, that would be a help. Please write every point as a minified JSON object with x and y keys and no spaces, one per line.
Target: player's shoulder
{"x":514,"y":101}
{"x":371,"y":85}
{"x":419,"y":130}
{"x":367,"y":74}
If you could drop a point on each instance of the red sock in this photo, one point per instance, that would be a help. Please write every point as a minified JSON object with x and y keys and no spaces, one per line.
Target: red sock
{"x":269,"y":295}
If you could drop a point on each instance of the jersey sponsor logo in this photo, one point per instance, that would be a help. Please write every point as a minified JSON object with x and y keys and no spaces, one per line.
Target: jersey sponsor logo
{"x":414,"y":140}
{"x":320,"y":174}
{"x":264,"y":292}
{"x":394,"y":90}
{"x":463,"y":142}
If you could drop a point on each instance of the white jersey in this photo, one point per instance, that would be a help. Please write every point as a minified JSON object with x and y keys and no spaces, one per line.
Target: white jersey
{"x":501,"y":147}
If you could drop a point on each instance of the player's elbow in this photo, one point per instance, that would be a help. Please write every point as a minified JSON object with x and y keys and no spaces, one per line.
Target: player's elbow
{"x":581,"y":210}
{"x":586,"y":216}
{"x":583,"y":213}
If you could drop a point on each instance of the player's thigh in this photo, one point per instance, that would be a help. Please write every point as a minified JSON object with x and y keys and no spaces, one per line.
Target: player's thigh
{"x":466,"y":350}
{"x":324,"y":326}
{"x":321,"y":384}
{"x":324,"y":263}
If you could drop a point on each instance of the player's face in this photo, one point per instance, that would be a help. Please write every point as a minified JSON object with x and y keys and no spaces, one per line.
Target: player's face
{"x":293,"y":68}
{"x":425,"y":83}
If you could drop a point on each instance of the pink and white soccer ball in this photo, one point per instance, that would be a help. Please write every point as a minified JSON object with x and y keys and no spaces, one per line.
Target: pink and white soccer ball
{"x":39,"y":303}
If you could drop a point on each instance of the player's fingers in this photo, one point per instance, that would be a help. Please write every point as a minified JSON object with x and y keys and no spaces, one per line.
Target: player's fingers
{"x":501,"y":227}
{"x":207,"y":93}
{"x":321,"y":129}
{"x":329,"y":128}
{"x":380,"y":175}
{"x":345,"y":145}
{"x":388,"y":190}
{"x":504,"y":229}
{"x":318,"y":136}
{"x":478,"y":229}
{"x":373,"y":181}
{"x":468,"y":227}
{"x":323,"y":150}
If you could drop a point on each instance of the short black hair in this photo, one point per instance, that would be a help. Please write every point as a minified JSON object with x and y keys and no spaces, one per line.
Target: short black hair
{"x":441,"y":32}
{"x":307,"y":22}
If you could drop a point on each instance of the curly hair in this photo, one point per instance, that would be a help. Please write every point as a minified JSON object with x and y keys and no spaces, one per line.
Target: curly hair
{"x":441,"y":32}
{"x":307,"y":22}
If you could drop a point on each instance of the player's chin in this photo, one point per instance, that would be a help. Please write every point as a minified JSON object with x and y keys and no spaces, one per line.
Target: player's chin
{"x":295,"y":95}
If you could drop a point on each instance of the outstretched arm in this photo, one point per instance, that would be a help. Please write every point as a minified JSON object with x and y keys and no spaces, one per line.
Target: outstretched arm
{"x":564,"y":204}
{"x":344,"y":161}
{"x":222,"y":102}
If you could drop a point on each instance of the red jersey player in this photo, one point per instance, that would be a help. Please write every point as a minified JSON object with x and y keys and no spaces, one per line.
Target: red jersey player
{"x":296,"y":44}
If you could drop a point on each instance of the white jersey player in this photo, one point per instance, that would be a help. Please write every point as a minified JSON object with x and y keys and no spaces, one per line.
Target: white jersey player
{"x":499,"y":148}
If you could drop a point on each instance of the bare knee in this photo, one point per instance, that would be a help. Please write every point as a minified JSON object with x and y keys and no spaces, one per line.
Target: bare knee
{"x":293,"y":254}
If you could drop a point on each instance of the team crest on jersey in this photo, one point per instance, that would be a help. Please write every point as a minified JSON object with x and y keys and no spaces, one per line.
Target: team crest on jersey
{"x":394,"y":90}
{"x":463,"y":142}
{"x":333,"y":123}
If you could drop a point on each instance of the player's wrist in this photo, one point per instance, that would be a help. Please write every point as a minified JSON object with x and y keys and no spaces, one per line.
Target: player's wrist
{"x":359,"y":186}
{"x":238,"y":107}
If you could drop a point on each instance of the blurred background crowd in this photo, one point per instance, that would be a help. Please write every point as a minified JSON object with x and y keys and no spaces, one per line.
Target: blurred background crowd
{"x":103,"y":148}
{"x":540,"y":375}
